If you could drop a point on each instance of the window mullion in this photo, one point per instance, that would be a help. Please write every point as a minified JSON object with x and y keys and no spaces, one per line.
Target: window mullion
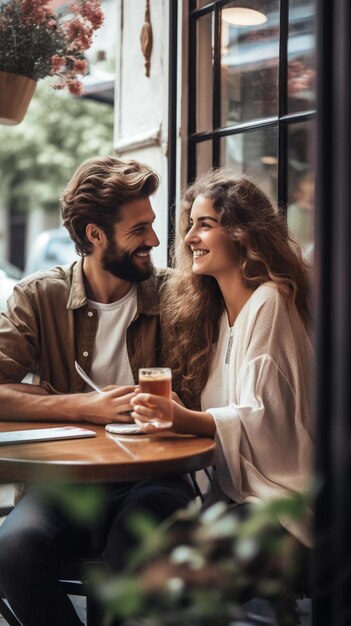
{"x":282,"y":107}
{"x":192,"y":78}
{"x":216,"y":85}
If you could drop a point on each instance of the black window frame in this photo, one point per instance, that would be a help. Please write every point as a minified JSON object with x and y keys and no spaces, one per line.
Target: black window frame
{"x":281,"y":121}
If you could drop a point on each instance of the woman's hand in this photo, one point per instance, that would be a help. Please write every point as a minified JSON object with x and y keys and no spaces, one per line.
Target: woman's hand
{"x":176,"y":398}
{"x":147,"y":407}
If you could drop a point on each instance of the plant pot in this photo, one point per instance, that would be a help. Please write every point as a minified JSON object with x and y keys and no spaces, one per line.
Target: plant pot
{"x":15,"y":95}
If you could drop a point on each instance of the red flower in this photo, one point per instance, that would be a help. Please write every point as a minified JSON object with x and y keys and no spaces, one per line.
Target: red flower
{"x":79,"y":35}
{"x":36,"y":12}
{"x":57,"y":63}
{"x":75,"y":87}
{"x":60,"y":85}
{"x":80,"y":66}
{"x":92,"y":11}
{"x":58,"y":43}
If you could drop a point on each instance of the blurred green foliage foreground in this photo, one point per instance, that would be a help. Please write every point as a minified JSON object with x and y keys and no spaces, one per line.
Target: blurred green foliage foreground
{"x":199,"y":569}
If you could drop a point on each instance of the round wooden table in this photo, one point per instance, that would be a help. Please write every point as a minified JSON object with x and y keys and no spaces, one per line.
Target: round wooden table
{"x":104,"y":458}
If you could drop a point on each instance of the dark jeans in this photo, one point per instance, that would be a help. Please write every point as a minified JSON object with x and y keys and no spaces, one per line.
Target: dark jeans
{"x":37,"y":537}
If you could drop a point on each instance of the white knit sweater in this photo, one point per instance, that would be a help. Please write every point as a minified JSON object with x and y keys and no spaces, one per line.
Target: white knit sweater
{"x":259,"y":392}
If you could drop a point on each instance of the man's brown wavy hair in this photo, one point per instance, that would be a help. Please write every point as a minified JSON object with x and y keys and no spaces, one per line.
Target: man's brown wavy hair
{"x":97,"y":190}
{"x":193,"y":304}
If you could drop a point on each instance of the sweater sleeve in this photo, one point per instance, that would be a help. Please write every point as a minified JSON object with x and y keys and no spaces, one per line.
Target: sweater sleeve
{"x":261,"y":439}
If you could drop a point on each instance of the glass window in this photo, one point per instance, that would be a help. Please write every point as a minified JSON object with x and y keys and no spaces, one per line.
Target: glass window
{"x":249,"y":62}
{"x":300,"y":211}
{"x":254,"y":154}
{"x":203,"y":156}
{"x":245,"y":41}
{"x":60,"y":250}
{"x":204,"y":72}
{"x":202,"y":3}
{"x":301,"y":56}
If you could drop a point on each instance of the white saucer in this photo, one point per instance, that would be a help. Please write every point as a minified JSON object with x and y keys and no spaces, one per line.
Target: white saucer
{"x":124,"y":429}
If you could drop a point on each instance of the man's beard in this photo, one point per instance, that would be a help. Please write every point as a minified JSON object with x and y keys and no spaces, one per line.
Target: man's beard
{"x":122,"y":265}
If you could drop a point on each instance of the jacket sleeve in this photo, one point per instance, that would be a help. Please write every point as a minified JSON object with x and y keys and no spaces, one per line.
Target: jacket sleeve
{"x":18,"y":338}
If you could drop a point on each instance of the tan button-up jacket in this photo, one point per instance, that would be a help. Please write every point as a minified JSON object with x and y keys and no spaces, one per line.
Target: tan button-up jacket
{"x":49,"y":325}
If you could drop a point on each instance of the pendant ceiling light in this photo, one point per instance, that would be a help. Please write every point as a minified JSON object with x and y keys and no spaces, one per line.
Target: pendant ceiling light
{"x":240,"y":16}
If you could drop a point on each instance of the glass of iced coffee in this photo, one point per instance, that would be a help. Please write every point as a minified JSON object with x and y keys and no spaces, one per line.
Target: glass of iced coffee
{"x":158,"y":381}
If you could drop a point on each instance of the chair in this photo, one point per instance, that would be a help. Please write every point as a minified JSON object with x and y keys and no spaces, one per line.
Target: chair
{"x":70,"y":577}
{"x":4,"y":609}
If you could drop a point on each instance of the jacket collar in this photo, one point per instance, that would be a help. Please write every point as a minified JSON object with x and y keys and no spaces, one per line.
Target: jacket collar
{"x":147,"y":297}
{"x":77,"y":296}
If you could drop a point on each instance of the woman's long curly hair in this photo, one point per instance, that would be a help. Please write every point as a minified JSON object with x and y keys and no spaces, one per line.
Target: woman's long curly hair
{"x":193,"y":304}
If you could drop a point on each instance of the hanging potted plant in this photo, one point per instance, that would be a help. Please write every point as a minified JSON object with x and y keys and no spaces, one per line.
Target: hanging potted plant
{"x":35,"y":42}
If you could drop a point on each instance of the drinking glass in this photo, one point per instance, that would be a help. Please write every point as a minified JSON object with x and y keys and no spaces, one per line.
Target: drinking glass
{"x":158,"y":381}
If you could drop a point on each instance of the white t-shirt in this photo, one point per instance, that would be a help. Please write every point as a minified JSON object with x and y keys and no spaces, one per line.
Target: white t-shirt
{"x":110,"y":362}
{"x":259,"y":393}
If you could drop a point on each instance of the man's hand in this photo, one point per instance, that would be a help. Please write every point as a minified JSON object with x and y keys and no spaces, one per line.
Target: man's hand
{"x":16,"y":402}
{"x":113,"y":405}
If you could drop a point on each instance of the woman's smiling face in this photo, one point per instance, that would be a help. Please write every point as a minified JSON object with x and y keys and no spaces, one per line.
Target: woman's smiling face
{"x":213,"y":251}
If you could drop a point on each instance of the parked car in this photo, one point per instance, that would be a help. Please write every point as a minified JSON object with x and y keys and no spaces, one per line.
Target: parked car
{"x":9,"y":275}
{"x":52,"y":247}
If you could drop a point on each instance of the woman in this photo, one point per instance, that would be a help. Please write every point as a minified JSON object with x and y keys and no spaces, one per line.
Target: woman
{"x":237,"y":319}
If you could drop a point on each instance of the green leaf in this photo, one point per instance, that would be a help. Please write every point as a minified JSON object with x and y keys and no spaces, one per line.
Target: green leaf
{"x":122,"y":597}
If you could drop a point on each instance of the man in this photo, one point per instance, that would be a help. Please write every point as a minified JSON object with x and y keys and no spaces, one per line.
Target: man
{"x":103,"y":312}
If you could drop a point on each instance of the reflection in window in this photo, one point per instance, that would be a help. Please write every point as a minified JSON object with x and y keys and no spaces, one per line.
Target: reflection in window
{"x":203,"y":156}
{"x":249,"y":63}
{"x":300,"y":212}
{"x":254,"y":154}
{"x":204,"y":72}
{"x":301,"y":56}
{"x":202,"y":3}
{"x":247,"y":58}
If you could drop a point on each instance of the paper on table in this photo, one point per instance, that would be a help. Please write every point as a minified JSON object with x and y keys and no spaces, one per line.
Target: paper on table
{"x":44,"y":434}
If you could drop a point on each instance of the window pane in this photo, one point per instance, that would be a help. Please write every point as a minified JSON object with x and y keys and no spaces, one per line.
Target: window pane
{"x":204,"y":74}
{"x":254,"y":154}
{"x":300,"y":211}
{"x":203,"y":156}
{"x":301,"y":56}
{"x":202,"y":3}
{"x":249,"y":63}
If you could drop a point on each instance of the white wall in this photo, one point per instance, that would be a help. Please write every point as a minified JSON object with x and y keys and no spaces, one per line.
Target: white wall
{"x":141,"y":103}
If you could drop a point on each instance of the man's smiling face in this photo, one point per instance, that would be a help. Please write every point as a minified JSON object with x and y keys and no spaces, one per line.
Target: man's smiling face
{"x":127,"y":254}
